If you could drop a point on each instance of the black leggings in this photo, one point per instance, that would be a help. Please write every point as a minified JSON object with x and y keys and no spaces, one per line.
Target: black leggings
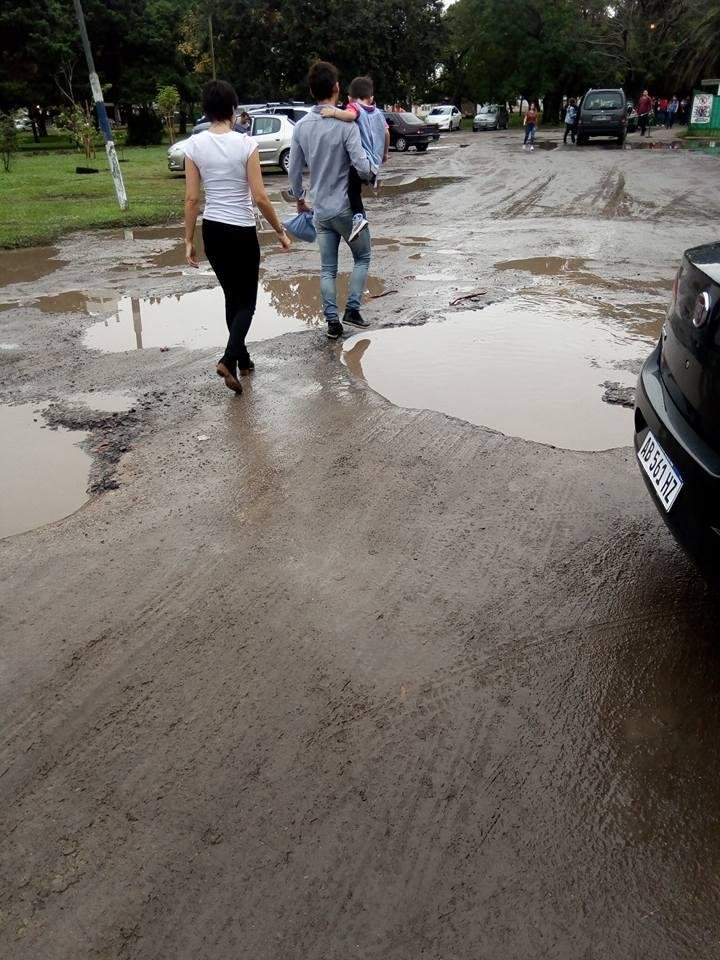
{"x":234,"y":255}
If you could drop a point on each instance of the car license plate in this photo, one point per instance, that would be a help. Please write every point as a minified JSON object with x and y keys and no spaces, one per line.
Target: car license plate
{"x":600,"y":116}
{"x":664,"y":477}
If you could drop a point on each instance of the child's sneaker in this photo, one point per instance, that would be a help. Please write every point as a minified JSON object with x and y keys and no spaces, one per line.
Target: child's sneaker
{"x":359,"y":223}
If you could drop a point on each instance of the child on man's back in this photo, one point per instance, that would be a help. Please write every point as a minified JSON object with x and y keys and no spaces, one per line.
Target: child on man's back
{"x":374,"y":135}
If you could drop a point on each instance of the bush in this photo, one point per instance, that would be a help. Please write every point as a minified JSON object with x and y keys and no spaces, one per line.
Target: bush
{"x":144,"y":128}
{"x":79,"y":123}
{"x":8,"y":140}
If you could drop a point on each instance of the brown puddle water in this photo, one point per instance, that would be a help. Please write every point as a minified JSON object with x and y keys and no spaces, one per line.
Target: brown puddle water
{"x":575,"y":270}
{"x":43,"y":472}
{"x":28,"y":264}
{"x":528,"y":369}
{"x":395,"y":186}
{"x":197,"y":319}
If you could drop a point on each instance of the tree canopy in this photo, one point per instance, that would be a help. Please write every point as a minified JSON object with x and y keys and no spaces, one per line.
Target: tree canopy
{"x":413,"y":49}
{"x":499,"y":49}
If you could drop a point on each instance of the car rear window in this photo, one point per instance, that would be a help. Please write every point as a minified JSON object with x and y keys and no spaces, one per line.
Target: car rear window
{"x":409,"y":118}
{"x":265,"y":125}
{"x":607,"y":100}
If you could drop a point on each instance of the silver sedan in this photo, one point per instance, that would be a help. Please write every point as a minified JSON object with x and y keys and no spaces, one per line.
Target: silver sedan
{"x":273,"y":134}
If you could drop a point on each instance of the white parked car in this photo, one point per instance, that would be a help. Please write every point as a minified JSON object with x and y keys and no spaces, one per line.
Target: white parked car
{"x":445,"y":117}
{"x":273,"y":134}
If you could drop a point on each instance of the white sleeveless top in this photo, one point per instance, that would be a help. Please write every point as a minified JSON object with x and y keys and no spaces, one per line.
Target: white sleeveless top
{"x":222,"y":160}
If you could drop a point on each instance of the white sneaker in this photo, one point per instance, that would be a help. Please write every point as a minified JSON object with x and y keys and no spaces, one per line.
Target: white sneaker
{"x":532,"y":147}
{"x":359,"y":224}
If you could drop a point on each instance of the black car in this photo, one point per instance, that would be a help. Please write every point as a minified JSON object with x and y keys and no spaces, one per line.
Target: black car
{"x":407,"y":130}
{"x":603,"y":113}
{"x":677,"y":412}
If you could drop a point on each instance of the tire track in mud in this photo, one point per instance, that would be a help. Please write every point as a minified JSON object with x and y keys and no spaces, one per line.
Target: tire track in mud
{"x":523,"y":203}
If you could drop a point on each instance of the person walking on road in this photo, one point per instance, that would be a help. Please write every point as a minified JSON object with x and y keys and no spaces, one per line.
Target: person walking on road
{"x":227,"y":164}
{"x":570,"y":118}
{"x":530,"y":124}
{"x":672,"y":112}
{"x":329,"y":148}
{"x":644,"y":109}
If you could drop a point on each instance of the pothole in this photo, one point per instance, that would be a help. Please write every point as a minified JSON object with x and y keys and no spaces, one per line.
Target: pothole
{"x":528,"y":369}
{"x":104,"y":401}
{"x":196,"y":320}
{"x":43,"y":472}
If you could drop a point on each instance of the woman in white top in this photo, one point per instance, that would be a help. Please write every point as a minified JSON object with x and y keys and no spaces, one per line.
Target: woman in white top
{"x":227,"y":163}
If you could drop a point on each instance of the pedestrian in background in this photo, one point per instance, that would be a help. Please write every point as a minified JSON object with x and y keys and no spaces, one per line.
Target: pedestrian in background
{"x":644,"y":108}
{"x":530,"y":124}
{"x":227,"y":164}
{"x":671,"y":114}
{"x":661,"y":111}
{"x":570,"y":118}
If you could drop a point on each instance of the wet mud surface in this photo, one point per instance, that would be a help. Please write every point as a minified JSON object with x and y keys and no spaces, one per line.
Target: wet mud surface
{"x":313,"y":674}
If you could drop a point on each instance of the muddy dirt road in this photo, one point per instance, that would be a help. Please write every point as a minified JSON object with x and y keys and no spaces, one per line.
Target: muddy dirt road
{"x":316,"y":673}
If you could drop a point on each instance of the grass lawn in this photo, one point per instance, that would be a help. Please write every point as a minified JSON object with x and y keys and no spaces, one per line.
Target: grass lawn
{"x":42,"y":197}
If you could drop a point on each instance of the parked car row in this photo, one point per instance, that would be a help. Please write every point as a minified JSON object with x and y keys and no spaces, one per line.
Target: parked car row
{"x":273,"y":129}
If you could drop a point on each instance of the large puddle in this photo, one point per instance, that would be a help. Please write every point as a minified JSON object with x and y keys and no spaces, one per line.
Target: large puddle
{"x":43,"y":472}
{"x":526,"y":367}
{"x":196,"y":320}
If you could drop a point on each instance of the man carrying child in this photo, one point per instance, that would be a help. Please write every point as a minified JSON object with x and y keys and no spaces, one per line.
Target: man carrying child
{"x":330,"y":147}
{"x":374,"y":136}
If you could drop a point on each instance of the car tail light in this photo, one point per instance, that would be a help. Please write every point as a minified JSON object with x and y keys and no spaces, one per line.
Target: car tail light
{"x":703,"y":305}
{"x":580,"y":122}
{"x":676,"y":284}
{"x":623,"y":120}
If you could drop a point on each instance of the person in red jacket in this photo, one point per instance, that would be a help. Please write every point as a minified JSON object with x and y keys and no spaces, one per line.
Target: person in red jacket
{"x":644,"y":109}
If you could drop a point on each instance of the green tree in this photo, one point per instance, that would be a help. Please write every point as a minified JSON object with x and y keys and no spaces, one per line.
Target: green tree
{"x":400,"y":52}
{"x":168,"y":99}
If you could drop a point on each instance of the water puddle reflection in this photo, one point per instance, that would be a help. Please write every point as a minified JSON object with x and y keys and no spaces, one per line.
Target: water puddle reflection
{"x":196,"y":320}
{"x":43,"y":472}
{"x":528,"y":369}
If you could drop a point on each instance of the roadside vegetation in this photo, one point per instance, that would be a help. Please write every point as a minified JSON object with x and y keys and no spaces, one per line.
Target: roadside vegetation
{"x":43,"y":197}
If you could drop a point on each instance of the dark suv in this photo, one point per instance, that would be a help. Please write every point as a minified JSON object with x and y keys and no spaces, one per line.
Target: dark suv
{"x":603,"y":113}
{"x":677,"y":413}
{"x":407,"y":130}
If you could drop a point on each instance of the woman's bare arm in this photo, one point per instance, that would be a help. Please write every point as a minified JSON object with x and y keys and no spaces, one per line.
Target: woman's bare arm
{"x":257,"y":188}
{"x":192,"y":208}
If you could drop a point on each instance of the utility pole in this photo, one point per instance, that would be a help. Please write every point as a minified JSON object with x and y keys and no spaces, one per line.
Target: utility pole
{"x":101,"y":111}
{"x":212,"y":45}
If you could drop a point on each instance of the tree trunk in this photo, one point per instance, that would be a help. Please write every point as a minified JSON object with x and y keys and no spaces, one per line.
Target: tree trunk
{"x":33,"y":122}
{"x":552,"y":103}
